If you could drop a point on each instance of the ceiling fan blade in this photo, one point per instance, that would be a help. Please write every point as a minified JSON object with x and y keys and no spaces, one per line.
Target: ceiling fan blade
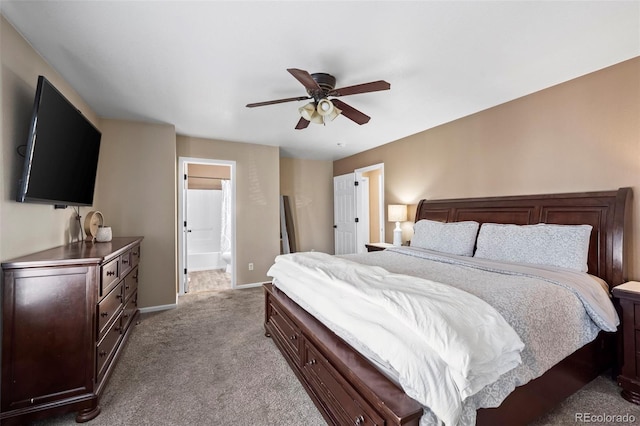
{"x":278,"y":101}
{"x":374,"y":86}
{"x":302,"y":124}
{"x":350,"y":112}
{"x":305,"y":78}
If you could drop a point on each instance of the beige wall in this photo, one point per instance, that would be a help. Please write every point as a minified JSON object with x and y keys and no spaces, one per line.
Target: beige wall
{"x":26,"y":227}
{"x":135,"y":160}
{"x":207,"y":176}
{"x":582,"y":135}
{"x":137,"y":196}
{"x":309,"y":185}
{"x":257,"y":200}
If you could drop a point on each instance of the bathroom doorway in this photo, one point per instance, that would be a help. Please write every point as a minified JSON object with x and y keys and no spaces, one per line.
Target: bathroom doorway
{"x":206,"y":225}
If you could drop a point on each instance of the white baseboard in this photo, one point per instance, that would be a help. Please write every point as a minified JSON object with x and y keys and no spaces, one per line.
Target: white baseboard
{"x":158,"y":308}
{"x":250,"y":285}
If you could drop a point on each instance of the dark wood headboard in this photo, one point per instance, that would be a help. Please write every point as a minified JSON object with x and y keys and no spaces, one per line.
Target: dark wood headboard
{"x":606,"y":211}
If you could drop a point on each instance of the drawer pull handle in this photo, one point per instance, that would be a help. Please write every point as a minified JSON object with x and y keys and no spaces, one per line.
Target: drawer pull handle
{"x":103,"y":353}
{"x":104,"y":314}
{"x":125,"y":316}
{"x":118,"y":329}
{"x":126,"y":287}
{"x":118,"y":296}
{"x":125,"y":261}
{"x":359,"y":420}
{"x":294,"y":337}
{"x":311,"y":362}
{"x":111,"y":273}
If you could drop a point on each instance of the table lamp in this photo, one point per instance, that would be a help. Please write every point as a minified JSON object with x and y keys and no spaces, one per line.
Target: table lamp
{"x":397,"y":213}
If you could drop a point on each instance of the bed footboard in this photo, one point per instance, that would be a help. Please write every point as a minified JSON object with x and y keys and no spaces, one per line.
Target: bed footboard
{"x":344,"y":386}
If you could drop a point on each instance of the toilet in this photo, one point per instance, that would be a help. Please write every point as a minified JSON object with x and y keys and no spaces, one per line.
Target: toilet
{"x":226,"y":257}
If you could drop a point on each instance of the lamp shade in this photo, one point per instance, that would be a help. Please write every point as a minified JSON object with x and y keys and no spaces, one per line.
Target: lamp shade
{"x":336,"y":112}
{"x":309,"y":113}
{"x":397,"y":213}
{"x":325,"y":107}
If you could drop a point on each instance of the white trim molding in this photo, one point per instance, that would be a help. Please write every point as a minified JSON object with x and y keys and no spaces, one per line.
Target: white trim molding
{"x":250,"y":285}
{"x":158,"y":308}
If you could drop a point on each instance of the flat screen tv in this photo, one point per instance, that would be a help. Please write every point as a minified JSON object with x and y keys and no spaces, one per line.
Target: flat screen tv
{"x":61,"y":155}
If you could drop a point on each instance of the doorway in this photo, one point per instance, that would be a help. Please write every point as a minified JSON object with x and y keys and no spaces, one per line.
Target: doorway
{"x":206,"y":225}
{"x":358,"y":209}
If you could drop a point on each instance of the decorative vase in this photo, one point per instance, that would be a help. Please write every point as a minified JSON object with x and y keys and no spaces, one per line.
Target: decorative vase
{"x":104,"y":234}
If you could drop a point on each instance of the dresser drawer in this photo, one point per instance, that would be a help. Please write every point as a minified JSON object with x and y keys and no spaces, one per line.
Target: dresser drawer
{"x":107,"y":346}
{"x":130,"y":284}
{"x":129,"y":311}
{"x":135,"y":256}
{"x":108,"y":308}
{"x":343,"y":402}
{"x":637,"y":315}
{"x":289,"y":334}
{"x":125,"y":263}
{"x":109,"y":279}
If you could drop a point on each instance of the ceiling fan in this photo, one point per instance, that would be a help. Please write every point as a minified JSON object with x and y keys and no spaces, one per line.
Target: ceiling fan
{"x":320,"y":86}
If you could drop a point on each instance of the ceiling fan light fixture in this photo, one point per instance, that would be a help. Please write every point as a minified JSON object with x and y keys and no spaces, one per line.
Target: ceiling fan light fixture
{"x":317,"y":118}
{"x":334,"y":113}
{"x":319,"y":87}
{"x":308,"y":111}
{"x":325,"y":107}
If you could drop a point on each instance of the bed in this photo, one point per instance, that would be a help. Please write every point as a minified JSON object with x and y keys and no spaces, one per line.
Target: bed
{"x":349,"y":388}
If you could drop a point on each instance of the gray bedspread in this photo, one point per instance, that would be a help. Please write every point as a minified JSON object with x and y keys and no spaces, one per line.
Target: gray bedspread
{"x":549,"y":317}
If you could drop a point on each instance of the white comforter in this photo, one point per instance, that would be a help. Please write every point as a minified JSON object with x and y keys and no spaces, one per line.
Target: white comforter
{"x":444,"y":344}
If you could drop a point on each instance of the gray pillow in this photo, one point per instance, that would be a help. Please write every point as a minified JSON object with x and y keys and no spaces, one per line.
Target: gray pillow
{"x":452,"y":237}
{"x":565,"y":246}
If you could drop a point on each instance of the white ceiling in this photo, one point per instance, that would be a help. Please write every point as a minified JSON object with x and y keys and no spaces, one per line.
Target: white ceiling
{"x":197,"y":64}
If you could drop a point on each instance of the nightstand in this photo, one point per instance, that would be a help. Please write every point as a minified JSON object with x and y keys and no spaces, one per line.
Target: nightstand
{"x":377,"y":246}
{"x":629,"y":378}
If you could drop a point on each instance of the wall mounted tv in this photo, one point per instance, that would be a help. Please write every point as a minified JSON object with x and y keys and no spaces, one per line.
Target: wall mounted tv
{"x":61,"y":155}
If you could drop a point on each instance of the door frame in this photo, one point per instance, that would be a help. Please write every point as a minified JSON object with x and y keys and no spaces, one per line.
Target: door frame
{"x":363,"y":234}
{"x":182,"y":204}
{"x":382,"y":215}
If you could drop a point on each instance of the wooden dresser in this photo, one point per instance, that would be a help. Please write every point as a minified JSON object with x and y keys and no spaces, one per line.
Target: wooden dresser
{"x":66,"y":315}
{"x":629,"y":379}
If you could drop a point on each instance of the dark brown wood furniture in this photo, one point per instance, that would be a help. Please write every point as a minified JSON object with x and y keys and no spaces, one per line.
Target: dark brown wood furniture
{"x":377,"y":246}
{"x":66,"y":314}
{"x":629,"y":296}
{"x":347,"y":389}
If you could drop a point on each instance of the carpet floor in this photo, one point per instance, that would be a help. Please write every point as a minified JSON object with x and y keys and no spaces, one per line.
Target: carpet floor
{"x":208,"y":362}
{"x":210,"y":280}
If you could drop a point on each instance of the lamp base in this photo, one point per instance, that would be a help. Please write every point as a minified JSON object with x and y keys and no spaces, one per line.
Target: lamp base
{"x":397,"y":235}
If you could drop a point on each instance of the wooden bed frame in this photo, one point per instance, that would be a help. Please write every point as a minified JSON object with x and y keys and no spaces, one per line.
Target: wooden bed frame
{"x":348,"y":389}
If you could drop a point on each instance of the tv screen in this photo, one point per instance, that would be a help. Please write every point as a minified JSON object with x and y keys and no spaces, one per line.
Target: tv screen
{"x":61,"y":156}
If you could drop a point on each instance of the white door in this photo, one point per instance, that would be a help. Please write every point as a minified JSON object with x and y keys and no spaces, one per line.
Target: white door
{"x":344,"y":213}
{"x":185,"y":231}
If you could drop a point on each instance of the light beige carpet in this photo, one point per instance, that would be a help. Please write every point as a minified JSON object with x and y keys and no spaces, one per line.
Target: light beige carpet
{"x":211,"y":280}
{"x":208,"y":363}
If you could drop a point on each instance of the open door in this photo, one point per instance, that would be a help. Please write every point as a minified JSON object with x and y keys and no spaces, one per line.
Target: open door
{"x":358,"y":203}
{"x":206,"y":227}
{"x":344,"y":213}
